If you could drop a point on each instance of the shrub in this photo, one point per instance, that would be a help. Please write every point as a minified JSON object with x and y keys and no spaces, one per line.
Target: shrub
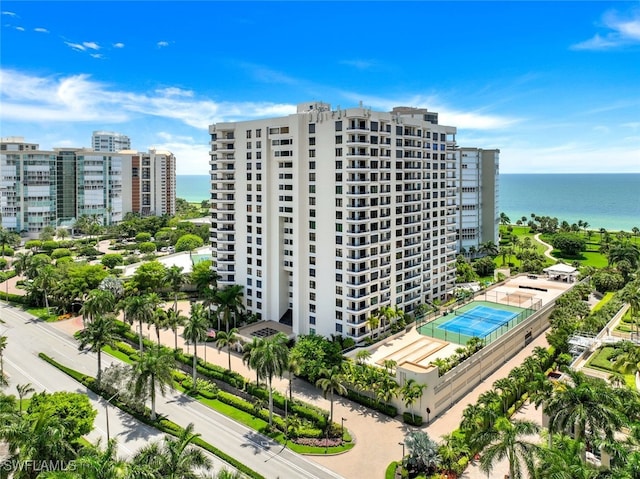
{"x":412,"y":420}
{"x":3,"y":263}
{"x":387,"y":409}
{"x":60,"y":253}
{"x":143,"y":237}
{"x":112,"y":260}
{"x":147,"y":247}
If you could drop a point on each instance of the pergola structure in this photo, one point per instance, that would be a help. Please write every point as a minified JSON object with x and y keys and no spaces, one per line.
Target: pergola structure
{"x":562,"y":272}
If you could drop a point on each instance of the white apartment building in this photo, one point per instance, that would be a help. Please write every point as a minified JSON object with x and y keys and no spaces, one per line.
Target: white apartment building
{"x":53,"y":188}
{"x":110,"y":141}
{"x":327,"y":215}
{"x":149,"y":180}
{"x":479,"y":218}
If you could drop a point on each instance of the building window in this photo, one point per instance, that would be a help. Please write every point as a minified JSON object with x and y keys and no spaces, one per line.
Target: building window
{"x":312,"y":141}
{"x":312,"y":127}
{"x":339,"y":125}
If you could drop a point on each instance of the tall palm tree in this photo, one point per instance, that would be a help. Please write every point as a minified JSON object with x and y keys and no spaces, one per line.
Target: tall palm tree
{"x":175,"y":278}
{"x":139,"y":308}
{"x":175,"y":457}
{"x":99,"y":301}
{"x":97,"y":463}
{"x":293,"y":368}
{"x":153,"y":370}
{"x":507,"y":440}
{"x":174,"y":321}
{"x":488,"y":248}
{"x":23,"y":390}
{"x":373,"y":322}
{"x":101,"y":331}
{"x":229,"y":302}
{"x":160,"y":321}
{"x":271,"y":360}
{"x":411,"y":391}
{"x":45,"y":280}
{"x":227,"y":340}
{"x":34,"y":439}
{"x":331,"y":382}
{"x":587,"y":405}
{"x":249,"y":356}
{"x":195,"y":331}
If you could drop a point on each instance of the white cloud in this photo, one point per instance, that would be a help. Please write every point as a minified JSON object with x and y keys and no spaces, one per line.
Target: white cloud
{"x":41,"y":30}
{"x":162,"y":44}
{"x":620,"y":32}
{"x":91,"y":45}
{"x":9,"y":14}
{"x":174,"y":91}
{"x":118,"y":45}
{"x":446,"y":116}
{"x":192,"y":155}
{"x":97,"y":55}
{"x":79,"y":98}
{"x":20,"y":29}
{"x":76,"y":46}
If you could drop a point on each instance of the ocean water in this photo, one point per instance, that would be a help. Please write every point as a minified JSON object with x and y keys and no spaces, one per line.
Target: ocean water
{"x":193,"y":188}
{"x":610,"y":201}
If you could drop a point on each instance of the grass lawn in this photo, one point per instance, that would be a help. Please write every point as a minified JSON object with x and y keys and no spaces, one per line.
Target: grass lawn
{"x":600,"y":361}
{"x":245,"y":418}
{"x":43,"y":314}
{"x":607,"y":297}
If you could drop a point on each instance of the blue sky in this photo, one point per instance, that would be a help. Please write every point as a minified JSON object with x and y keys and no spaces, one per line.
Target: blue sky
{"x":554,"y":85}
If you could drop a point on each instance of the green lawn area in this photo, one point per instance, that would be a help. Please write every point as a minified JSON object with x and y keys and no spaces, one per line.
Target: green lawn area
{"x":246,"y":418}
{"x":607,"y":297}
{"x":42,"y":313}
{"x":600,"y":361}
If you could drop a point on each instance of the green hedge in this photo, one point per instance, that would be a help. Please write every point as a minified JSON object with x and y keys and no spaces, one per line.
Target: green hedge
{"x":162,"y":424}
{"x":14,"y":298}
{"x":387,"y":409}
{"x":415,"y":420}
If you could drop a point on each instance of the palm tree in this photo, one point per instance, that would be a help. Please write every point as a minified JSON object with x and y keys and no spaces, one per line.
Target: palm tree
{"x":331,"y":381}
{"x":504,"y":219}
{"x":34,"y":439}
{"x":411,"y":392}
{"x":293,"y":367}
{"x":153,"y":370}
{"x":174,"y":321}
{"x":271,"y":360}
{"x":45,"y":280}
{"x":507,"y":392}
{"x":195,"y":331}
{"x":100,"y":332}
{"x":628,"y":360}
{"x":226,"y":340}
{"x":175,"y":457}
{"x":159,"y":320}
{"x":249,"y":356}
{"x":586,"y":404}
{"x":97,"y":463}
{"x":23,"y":390}
{"x":625,"y":252}
{"x":141,"y":309}
{"x":175,"y":278}
{"x":373,"y":322}
{"x":229,"y":301}
{"x":505,"y":440}
{"x":99,"y":301}
{"x":488,"y":248}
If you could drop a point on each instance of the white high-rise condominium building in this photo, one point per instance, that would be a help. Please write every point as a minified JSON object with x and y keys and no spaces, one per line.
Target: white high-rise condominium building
{"x":325,"y":216}
{"x":49,"y":188}
{"x":110,"y":141}
{"x":479,"y":198}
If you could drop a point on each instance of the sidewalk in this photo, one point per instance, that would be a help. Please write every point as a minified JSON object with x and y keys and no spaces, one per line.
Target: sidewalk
{"x":377,"y":436}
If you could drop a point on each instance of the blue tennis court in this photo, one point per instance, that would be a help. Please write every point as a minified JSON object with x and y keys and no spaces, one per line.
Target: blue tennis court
{"x":479,"y":321}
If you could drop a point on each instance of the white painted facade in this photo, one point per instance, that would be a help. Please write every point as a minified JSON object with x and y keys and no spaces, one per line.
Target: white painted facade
{"x":328,"y":215}
{"x":479,"y":218}
{"x":110,"y":141}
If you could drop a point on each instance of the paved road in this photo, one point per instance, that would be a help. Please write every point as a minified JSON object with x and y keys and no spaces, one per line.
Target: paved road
{"x":27,"y":337}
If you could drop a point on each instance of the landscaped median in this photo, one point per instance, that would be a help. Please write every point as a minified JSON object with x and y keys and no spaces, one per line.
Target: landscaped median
{"x":304,"y":428}
{"x":163,"y":424}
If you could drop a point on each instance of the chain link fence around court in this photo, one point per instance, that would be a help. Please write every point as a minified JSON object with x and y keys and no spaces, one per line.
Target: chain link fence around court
{"x":488,"y":327}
